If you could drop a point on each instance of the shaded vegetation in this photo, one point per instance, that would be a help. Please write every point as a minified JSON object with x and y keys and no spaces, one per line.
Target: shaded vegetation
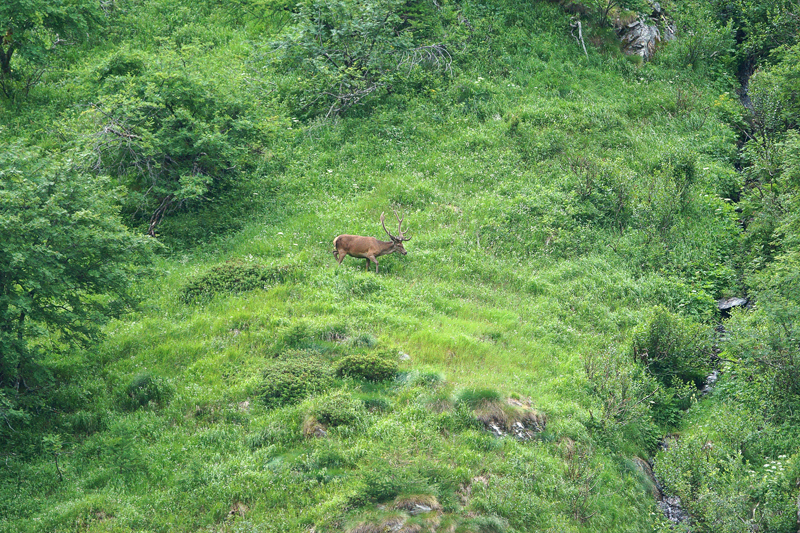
{"x":577,"y":216}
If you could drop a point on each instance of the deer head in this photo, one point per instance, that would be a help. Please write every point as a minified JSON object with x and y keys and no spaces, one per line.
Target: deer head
{"x":397,"y":241}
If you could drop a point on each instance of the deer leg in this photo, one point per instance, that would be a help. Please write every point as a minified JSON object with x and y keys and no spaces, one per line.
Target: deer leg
{"x":372,"y":258}
{"x":339,"y":256}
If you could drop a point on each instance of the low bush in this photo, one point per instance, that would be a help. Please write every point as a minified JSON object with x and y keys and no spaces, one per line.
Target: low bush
{"x":367,"y":366}
{"x":482,"y":524}
{"x":336,"y":409}
{"x":234,"y":277}
{"x":384,"y":482}
{"x":673,"y":348}
{"x":145,"y":390}
{"x":290,"y":381}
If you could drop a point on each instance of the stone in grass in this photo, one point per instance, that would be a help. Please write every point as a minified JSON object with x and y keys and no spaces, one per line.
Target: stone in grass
{"x":510,"y":418}
{"x":417,"y":504}
{"x":312,"y":428}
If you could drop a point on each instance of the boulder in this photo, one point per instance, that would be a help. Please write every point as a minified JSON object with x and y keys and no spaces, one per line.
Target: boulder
{"x":725,"y":304}
{"x":646,"y":472}
{"x":639,"y":38}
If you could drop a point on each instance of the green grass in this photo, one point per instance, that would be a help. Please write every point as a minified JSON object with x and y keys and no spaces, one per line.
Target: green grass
{"x":526,"y":185}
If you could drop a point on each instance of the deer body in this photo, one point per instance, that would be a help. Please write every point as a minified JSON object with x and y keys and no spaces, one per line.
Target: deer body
{"x":369,"y":248}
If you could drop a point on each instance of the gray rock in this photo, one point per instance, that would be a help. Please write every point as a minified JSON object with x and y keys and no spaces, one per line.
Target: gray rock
{"x":647,"y":473}
{"x":419,"y":509}
{"x":639,"y":38}
{"x":711,"y":379}
{"x":673,"y":510}
{"x":724,"y":304}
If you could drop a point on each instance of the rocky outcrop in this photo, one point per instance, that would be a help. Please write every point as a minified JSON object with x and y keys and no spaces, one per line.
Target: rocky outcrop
{"x":641,"y":36}
{"x":513,"y":418}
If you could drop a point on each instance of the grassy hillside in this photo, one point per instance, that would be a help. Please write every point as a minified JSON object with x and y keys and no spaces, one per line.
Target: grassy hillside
{"x":562,"y":209}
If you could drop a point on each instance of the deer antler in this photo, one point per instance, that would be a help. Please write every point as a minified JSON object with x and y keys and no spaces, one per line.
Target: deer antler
{"x":399,"y":227}
{"x":400,"y":237}
{"x":383,"y":223}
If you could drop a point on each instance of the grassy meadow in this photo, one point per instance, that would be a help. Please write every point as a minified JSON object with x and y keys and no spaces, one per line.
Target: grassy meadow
{"x":557,"y":202}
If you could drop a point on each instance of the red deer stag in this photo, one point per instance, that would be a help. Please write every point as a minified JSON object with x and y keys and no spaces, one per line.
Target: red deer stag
{"x":370,"y":248}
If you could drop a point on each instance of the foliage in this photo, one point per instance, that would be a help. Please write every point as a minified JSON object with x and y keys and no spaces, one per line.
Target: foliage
{"x":143,"y":390}
{"x":167,"y":136}
{"x":367,"y":366}
{"x":385,"y":482}
{"x":32,"y":31}
{"x":761,"y":26}
{"x":765,"y":342}
{"x":702,"y":40}
{"x":342,"y":53}
{"x":604,"y":8}
{"x":66,"y":262}
{"x":291,"y":380}
{"x":234,"y":277}
{"x":337,"y":408}
{"x":672,"y":348}
{"x":626,"y":395}
{"x":724,"y":493}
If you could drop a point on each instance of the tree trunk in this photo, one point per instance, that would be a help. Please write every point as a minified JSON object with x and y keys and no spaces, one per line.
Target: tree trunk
{"x":6,"y":51}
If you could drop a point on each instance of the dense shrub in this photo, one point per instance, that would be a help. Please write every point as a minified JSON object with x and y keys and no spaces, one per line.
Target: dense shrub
{"x":336,"y":409}
{"x":342,"y":54}
{"x":624,"y":391}
{"x":368,"y":366}
{"x":383,"y":482}
{"x":143,"y":390}
{"x":234,"y":276}
{"x":290,"y":381}
{"x":170,"y":138}
{"x":672,"y":348}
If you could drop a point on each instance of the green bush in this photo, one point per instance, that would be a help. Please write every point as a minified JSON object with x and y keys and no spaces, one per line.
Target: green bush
{"x":482,"y":524}
{"x":673,"y":348}
{"x":233,"y":277}
{"x":171,"y":138}
{"x":368,"y":366}
{"x":383,"y":482}
{"x":336,"y":409}
{"x":143,"y":390}
{"x":343,"y":54}
{"x":290,"y":381}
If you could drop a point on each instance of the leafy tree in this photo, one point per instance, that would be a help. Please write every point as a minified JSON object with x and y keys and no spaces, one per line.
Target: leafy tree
{"x":346,"y":52}
{"x":167,"y":137}
{"x":772,"y":152}
{"x":702,"y":39}
{"x":66,"y":263}
{"x":761,"y":26}
{"x":31,"y":29}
